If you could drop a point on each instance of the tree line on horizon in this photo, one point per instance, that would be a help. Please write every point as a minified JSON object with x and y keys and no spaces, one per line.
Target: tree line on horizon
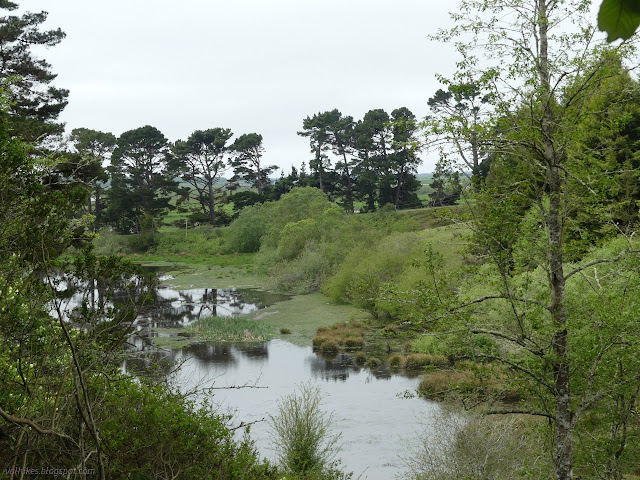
{"x":134,"y":177}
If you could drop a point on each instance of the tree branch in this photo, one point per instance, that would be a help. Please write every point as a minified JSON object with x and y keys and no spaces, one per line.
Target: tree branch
{"x":34,"y":426}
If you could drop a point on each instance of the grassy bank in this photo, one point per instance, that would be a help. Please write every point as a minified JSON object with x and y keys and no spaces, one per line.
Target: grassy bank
{"x":301,"y":316}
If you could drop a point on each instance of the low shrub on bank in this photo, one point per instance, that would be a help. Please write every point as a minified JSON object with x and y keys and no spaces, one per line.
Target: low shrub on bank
{"x":469,"y":379}
{"x":364,"y":271}
{"x":301,"y":431}
{"x":341,"y":336}
{"x":202,"y":241}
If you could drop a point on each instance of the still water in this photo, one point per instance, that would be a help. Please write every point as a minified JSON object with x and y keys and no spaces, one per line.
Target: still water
{"x":369,"y":410}
{"x":375,"y":422}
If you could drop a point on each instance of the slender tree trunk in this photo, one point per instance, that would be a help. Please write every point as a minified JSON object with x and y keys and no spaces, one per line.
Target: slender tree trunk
{"x":349,"y":184}
{"x":259,"y":179}
{"x":212,"y":204}
{"x":398,"y":188}
{"x":319,"y":164}
{"x":563,"y":458}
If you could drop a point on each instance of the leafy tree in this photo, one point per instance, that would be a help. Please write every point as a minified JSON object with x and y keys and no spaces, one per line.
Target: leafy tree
{"x":539,"y":107}
{"x":316,"y":128}
{"x":203,"y":161}
{"x":247,"y":159}
{"x":142,"y":177}
{"x":373,"y":139}
{"x":34,"y":103}
{"x":94,"y":148}
{"x":405,"y":156}
{"x":458,"y":121}
{"x":609,"y":146}
{"x":339,"y":131}
{"x":446,"y":186}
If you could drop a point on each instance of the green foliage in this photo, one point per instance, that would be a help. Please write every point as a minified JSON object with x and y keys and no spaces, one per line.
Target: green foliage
{"x":201,"y":161}
{"x":305,"y":273}
{"x":430,"y":344}
{"x":230,"y":329}
{"x":188,"y":441}
{"x":302,"y":436}
{"x":35,"y":104}
{"x":142,"y":177}
{"x":619,"y":18}
{"x":200,"y":241}
{"x":364,"y":271}
{"x":245,"y":232}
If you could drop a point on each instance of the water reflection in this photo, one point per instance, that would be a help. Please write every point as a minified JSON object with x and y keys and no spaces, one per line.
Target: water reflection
{"x":173,"y":308}
{"x":366,"y":404}
{"x":178,"y":308}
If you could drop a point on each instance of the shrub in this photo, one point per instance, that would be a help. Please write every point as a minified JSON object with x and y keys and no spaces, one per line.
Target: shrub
{"x":329,"y":346}
{"x":417,"y":361}
{"x":360,"y":358}
{"x":152,"y":430}
{"x":301,"y":434}
{"x":304,"y":274}
{"x":441,"y":382}
{"x":346,"y":335}
{"x":396,"y":361}
{"x":373,"y":362}
{"x":245,"y":233}
{"x":430,"y":344}
{"x":366,"y":270}
{"x":353,"y":343}
{"x":456,"y":446}
{"x":110,"y":243}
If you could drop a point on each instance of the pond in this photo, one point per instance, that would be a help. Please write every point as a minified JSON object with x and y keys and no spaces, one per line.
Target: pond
{"x":369,"y":411}
{"x":369,"y":408}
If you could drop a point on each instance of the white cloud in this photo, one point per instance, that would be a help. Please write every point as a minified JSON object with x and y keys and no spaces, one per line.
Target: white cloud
{"x":249,"y":65}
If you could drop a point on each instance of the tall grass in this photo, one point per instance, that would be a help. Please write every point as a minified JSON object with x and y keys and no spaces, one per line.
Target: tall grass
{"x":305,"y":447}
{"x":230,"y":329}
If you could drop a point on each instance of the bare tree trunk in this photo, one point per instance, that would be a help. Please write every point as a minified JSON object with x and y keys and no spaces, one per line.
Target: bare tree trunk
{"x":212,"y":204}
{"x":563,"y":457}
{"x":399,"y":188}
{"x":320,"y":169}
{"x":349,"y":184}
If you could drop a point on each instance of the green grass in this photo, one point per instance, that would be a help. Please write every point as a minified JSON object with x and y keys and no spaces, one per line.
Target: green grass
{"x":230,"y":329}
{"x":187,"y":276}
{"x":303,"y":314}
{"x":232,"y":260}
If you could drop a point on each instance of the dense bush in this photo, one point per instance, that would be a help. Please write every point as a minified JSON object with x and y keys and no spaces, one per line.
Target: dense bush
{"x":364,"y":271}
{"x":245,"y":232}
{"x":203,"y":241}
{"x":155,"y":432}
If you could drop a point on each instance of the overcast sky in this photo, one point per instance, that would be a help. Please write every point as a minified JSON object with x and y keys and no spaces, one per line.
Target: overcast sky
{"x":248,"y":65}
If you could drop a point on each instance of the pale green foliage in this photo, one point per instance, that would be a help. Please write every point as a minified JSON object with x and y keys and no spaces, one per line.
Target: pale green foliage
{"x":456,"y":446}
{"x":245,"y":232}
{"x":365,"y":271}
{"x":302,"y":435}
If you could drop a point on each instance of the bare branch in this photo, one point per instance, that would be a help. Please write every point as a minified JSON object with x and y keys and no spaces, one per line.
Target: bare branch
{"x":521,"y":412}
{"x":34,"y":426}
